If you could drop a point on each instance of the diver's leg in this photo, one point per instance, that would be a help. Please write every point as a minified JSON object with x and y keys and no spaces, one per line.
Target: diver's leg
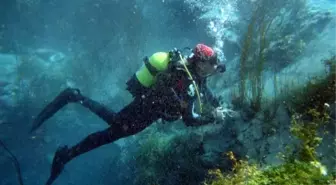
{"x":72,"y":95}
{"x":130,"y":120}
{"x":64,"y":154}
{"x":66,"y":96}
{"x":99,"y":109}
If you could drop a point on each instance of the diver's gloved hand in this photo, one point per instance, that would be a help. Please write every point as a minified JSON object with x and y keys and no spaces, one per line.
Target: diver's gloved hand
{"x":221,"y":113}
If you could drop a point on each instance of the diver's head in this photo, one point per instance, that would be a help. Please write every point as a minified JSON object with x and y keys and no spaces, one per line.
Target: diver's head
{"x":205,"y":61}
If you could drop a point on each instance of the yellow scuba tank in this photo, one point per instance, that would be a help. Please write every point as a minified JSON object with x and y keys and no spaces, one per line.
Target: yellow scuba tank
{"x":145,"y":77}
{"x":156,"y":63}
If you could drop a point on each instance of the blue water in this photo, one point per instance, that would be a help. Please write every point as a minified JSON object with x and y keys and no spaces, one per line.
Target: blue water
{"x":96,"y":46}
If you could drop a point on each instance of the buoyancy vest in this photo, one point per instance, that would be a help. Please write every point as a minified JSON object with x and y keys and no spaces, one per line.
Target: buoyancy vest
{"x":145,"y":77}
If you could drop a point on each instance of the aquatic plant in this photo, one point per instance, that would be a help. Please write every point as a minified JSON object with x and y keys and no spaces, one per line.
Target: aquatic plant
{"x":270,"y":110}
{"x":310,"y":111}
{"x":170,"y":159}
{"x":256,"y":78}
{"x":306,"y":129}
{"x":253,"y":59}
{"x":300,"y":162}
{"x":316,"y":92}
{"x":299,"y":168}
{"x":267,"y":33}
{"x":243,"y":62}
{"x":295,"y":173}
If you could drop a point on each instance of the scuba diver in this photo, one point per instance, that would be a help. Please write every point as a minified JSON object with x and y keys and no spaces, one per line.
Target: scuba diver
{"x":168,"y":86}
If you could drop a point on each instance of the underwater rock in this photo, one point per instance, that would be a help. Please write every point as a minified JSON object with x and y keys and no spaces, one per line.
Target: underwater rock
{"x":263,"y":140}
{"x":333,"y":110}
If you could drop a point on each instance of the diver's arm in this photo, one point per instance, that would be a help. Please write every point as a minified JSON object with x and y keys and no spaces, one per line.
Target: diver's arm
{"x":190,"y":118}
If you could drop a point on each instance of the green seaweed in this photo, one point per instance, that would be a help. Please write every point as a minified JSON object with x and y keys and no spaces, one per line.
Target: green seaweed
{"x":167,"y":159}
{"x":300,"y":167}
{"x":243,"y":60}
{"x":252,"y":61}
{"x":318,"y":92}
{"x":295,"y":173}
{"x":265,"y":26}
{"x":307,"y":132}
{"x":301,"y":164}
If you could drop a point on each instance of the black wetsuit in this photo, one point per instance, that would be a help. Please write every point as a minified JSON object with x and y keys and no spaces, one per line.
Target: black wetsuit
{"x":169,"y":100}
{"x":143,"y":111}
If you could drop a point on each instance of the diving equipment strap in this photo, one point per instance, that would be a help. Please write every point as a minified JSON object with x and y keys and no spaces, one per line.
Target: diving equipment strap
{"x":153,"y":71}
{"x":174,"y":54}
{"x":194,"y":83}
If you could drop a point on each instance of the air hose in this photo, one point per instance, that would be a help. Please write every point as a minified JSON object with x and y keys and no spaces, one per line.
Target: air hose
{"x":194,"y":83}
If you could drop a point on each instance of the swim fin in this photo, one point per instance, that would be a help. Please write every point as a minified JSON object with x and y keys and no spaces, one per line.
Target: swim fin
{"x":66,"y":96}
{"x":60,"y":159}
